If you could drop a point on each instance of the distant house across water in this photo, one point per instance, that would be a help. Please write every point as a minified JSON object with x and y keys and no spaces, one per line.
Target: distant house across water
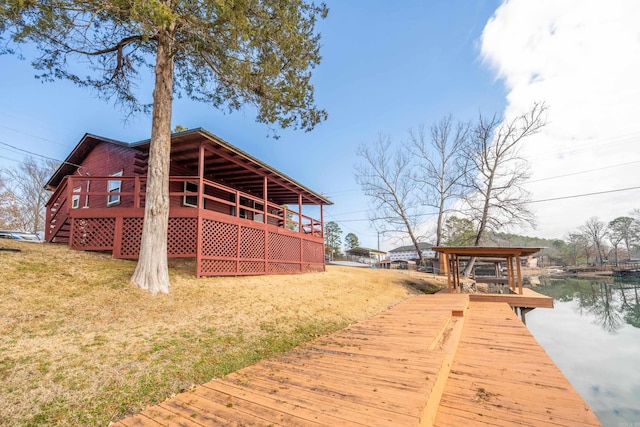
{"x":409,"y":252}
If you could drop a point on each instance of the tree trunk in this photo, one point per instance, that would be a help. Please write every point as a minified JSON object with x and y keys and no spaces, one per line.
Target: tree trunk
{"x":479,"y":236}
{"x":152,"y":273}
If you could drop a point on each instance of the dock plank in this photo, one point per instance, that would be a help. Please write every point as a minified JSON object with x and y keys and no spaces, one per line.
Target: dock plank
{"x":440,"y":360}
{"x":502,"y":376}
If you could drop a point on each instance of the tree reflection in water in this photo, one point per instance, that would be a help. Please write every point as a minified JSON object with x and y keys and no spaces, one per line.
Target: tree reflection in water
{"x":611,"y":304}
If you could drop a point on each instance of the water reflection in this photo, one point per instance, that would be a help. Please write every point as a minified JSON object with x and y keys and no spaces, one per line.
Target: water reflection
{"x":593,"y":335}
{"x":611,"y":304}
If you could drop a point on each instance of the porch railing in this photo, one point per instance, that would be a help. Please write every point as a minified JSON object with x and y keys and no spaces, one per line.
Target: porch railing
{"x":79,"y":192}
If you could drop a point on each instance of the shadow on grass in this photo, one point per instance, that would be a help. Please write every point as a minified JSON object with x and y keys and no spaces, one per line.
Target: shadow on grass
{"x":422,"y":286}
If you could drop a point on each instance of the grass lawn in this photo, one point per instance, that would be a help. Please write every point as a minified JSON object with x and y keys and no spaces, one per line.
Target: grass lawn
{"x":80,"y":345}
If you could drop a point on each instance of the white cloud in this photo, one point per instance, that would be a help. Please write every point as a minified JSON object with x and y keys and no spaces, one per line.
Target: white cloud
{"x":581,"y":57}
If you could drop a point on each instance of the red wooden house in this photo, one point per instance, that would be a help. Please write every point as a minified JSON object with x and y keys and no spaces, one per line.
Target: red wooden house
{"x":231,"y":212}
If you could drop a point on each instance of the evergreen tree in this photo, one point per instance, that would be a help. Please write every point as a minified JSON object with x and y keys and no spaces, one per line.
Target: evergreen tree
{"x":224,"y":53}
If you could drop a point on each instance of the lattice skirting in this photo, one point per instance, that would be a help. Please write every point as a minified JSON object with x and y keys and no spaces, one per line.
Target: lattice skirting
{"x":227,"y":249}
{"x":181,"y":238}
{"x":230,"y":249}
{"x":92,"y":234}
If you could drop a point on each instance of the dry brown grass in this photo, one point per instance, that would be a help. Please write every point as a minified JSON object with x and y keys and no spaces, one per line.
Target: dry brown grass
{"x":81,"y":346}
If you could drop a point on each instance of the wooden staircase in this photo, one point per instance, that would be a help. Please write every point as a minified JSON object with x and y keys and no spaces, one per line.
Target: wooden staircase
{"x":58,"y":221}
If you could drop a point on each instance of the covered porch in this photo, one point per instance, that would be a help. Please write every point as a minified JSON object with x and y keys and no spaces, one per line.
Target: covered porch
{"x":233,"y":213}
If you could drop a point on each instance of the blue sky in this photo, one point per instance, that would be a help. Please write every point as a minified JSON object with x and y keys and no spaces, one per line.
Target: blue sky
{"x":387,"y":67}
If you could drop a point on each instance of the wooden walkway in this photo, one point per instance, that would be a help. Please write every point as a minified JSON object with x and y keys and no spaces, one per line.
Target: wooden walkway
{"x":528,"y":299}
{"x":431,"y":359}
{"x":502,"y":377}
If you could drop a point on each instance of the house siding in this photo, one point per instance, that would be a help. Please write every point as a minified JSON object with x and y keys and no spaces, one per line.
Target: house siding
{"x":105,"y":160}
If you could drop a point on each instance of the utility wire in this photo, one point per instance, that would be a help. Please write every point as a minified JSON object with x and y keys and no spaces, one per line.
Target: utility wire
{"x":583,"y":171}
{"x":533,"y":201}
{"x":35,"y":136}
{"x":10,"y":158}
{"x":594,"y":145}
{"x":585,"y":194}
{"x":37,"y":155}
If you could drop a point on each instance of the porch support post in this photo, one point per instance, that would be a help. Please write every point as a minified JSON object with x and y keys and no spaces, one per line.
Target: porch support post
{"x":324,"y":258}
{"x":300,"y":231}
{"x":265,"y":194}
{"x":510,"y":273}
{"x":456,"y":272}
{"x":136,"y":192}
{"x":200,"y":209}
{"x":519,"y":277}
{"x":116,"y":250}
{"x":201,"y":177}
{"x":447,"y":270}
{"x":299,"y":213}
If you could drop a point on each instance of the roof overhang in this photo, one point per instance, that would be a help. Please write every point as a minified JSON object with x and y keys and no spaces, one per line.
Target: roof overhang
{"x":486,"y":251}
{"x":360,"y":251}
{"x":222,"y":161}
{"x":73,"y":160}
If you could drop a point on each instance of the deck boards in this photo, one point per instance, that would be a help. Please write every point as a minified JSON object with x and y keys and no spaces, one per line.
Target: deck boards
{"x":501,"y":376}
{"x":529,"y":299}
{"x":434,"y":358}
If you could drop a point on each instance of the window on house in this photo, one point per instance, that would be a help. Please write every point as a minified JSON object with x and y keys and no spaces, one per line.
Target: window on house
{"x":258,"y":217}
{"x":243,"y":212}
{"x":190,"y":187}
{"x":114,"y":187}
{"x":75,"y":199}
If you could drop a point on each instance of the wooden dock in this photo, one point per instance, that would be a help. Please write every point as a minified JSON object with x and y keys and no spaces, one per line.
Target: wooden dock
{"x":502,"y":377}
{"x":528,"y":299}
{"x":439,"y":359}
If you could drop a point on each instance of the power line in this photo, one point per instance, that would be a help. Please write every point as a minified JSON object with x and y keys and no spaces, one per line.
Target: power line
{"x":35,"y":136}
{"x":352,"y":190}
{"x":583,"y":171}
{"x":36,"y":154}
{"x":349,"y":213}
{"x":595,"y":145}
{"x":533,"y":201}
{"x":347,"y":227}
{"x":585,"y":194}
{"x":10,"y":158}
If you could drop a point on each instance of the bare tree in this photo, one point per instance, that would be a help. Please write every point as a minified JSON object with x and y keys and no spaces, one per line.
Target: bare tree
{"x":441,"y":166}
{"x":26,"y":183}
{"x":626,"y":229}
{"x":634,"y":241}
{"x":576,"y":244}
{"x":595,"y":230}
{"x":620,"y":230}
{"x":385,"y":176}
{"x":9,"y":211}
{"x":497,"y":197}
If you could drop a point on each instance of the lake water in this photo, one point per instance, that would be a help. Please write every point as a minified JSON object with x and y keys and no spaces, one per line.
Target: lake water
{"x":593,"y":335}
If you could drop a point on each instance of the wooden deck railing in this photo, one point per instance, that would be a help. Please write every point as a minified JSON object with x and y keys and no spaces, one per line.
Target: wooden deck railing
{"x":76,"y":192}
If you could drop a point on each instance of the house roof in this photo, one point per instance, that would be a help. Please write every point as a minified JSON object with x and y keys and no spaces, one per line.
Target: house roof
{"x":422,"y":245}
{"x":487,"y":251}
{"x":77,"y":155}
{"x":361,"y":251}
{"x":223,"y":161}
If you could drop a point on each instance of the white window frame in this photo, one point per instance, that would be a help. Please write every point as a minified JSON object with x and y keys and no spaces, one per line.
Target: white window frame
{"x":190,"y":187}
{"x":75,"y":198}
{"x":114,"y":187}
